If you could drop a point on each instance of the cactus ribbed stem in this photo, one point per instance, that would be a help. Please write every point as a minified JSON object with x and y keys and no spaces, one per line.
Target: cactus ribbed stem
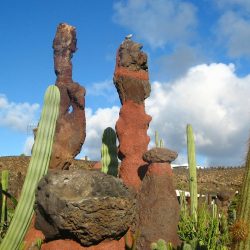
{"x":192,"y":171}
{"x":38,"y":166}
{"x":4,"y":183}
{"x":156,"y":139}
{"x":109,"y":157}
{"x":243,"y":212}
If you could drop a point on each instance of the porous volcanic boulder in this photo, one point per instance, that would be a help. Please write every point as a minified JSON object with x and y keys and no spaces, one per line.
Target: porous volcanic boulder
{"x":132,"y":84}
{"x":157,"y":202}
{"x":71,"y":123}
{"x":159,"y":155}
{"x":84,"y":205}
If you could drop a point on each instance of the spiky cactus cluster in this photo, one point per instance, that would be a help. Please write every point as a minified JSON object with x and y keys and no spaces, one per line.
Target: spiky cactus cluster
{"x":161,"y":245}
{"x":239,"y":231}
{"x":109,"y":157}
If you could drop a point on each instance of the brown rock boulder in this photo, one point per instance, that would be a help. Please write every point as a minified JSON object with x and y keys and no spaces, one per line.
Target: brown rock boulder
{"x":159,"y":155}
{"x":158,"y":207}
{"x":84,"y":205}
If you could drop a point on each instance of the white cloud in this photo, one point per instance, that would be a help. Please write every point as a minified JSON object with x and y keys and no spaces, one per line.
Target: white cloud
{"x":215,"y":101}
{"x":28,"y":145}
{"x":243,"y":5}
{"x":16,"y":116}
{"x":234,"y":31}
{"x":96,"y":123}
{"x":210,"y":97}
{"x":158,"y":22}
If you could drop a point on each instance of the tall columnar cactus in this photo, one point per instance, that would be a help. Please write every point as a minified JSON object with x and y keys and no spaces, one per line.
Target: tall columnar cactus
{"x":159,"y":143}
{"x":109,"y":152}
{"x":38,"y":166}
{"x":4,"y":187}
{"x":243,"y":211}
{"x":192,"y":171}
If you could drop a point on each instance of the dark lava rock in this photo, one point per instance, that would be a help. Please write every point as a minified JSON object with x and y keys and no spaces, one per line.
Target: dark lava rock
{"x":131,"y":73}
{"x":71,"y":123}
{"x":159,"y":155}
{"x":84,"y":205}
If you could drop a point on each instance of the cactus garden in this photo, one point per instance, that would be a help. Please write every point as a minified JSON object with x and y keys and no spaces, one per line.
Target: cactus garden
{"x":132,"y":197}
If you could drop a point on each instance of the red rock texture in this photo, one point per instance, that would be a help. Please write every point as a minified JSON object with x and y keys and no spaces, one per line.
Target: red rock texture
{"x":132,"y":82}
{"x":33,"y":234}
{"x":158,"y":207}
{"x":131,"y":129}
{"x":71,"y":125}
{"x":72,"y":245}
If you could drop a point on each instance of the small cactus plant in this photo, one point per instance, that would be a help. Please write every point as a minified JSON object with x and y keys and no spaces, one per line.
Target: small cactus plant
{"x":109,"y":157}
{"x":161,"y":245}
{"x":159,"y":143}
{"x":38,"y":166}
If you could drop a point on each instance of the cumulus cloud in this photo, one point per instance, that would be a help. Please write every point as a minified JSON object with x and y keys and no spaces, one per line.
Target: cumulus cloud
{"x":212,"y":98}
{"x":234,"y":31}
{"x":16,"y":116}
{"x":28,"y":145}
{"x":215,"y":101}
{"x":96,"y":123}
{"x":157,"y":22}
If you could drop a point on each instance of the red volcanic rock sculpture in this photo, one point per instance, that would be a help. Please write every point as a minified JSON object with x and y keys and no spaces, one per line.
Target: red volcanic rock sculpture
{"x":132,"y":83}
{"x":157,"y":201}
{"x":71,"y":124}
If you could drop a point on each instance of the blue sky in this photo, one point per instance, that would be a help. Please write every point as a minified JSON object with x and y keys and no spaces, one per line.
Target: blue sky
{"x":198,"y":62}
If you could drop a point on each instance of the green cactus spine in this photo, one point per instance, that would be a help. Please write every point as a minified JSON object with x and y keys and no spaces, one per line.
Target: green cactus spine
{"x":37,"y":168}
{"x":243,"y":211}
{"x":192,"y":171}
{"x":109,"y":157}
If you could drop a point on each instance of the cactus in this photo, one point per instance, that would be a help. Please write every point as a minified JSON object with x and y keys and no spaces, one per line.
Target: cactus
{"x":109,"y":152}
{"x":161,"y":245}
{"x":4,"y":187}
{"x":159,"y":143}
{"x":192,"y":171}
{"x":37,"y":168}
{"x":243,"y":210}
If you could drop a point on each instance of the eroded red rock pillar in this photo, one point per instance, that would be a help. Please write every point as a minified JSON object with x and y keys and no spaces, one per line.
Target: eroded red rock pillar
{"x":132,"y":82}
{"x":71,"y":124}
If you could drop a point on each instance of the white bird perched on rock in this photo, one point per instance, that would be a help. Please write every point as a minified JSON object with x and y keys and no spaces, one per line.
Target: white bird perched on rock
{"x":128,"y":36}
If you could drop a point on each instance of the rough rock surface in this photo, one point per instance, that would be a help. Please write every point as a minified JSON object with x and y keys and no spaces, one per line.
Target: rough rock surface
{"x":132,"y":83}
{"x":131,"y":130}
{"x":71,"y":125}
{"x":158,"y":207}
{"x":131,"y":73}
{"x":159,"y":155}
{"x":83,"y":205}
